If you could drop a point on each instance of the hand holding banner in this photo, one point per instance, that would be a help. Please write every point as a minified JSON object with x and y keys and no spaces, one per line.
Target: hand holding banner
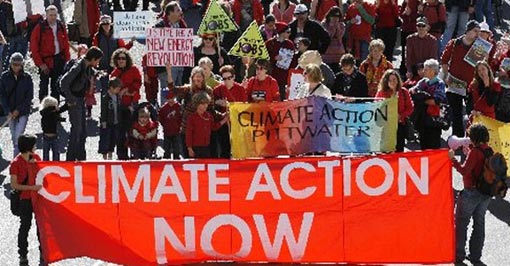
{"x":216,"y":20}
{"x":250,"y":44}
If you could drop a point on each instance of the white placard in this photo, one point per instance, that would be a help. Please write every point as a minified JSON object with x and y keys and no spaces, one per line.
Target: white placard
{"x":20,"y":9}
{"x":170,"y":45}
{"x":131,"y":24}
{"x":296,"y":81}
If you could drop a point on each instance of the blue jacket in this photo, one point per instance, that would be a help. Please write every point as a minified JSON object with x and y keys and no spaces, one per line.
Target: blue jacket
{"x":16,"y":94}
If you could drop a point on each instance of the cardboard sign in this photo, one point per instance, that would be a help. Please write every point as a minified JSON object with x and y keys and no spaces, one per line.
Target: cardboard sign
{"x":479,"y":51}
{"x":250,"y":44}
{"x":505,"y":81}
{"x":216,"y":20}
{"x":131,"y":24}
{"x":380,"y":209}
{"x":499,"y":134}
{"x":296,"y":80}
{"x":170,"y":45}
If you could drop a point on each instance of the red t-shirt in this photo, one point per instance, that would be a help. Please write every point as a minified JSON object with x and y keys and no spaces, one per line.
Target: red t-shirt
{"x":198,"y":129}
{"x":266,"y":89}
{"x":22,"y":169}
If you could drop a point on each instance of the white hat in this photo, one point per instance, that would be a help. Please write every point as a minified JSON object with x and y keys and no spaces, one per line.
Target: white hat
{"x":301,"y":8}
{"x":485,"y":27}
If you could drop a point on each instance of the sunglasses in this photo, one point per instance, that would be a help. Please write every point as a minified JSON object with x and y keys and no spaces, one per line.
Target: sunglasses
{"x":228,"y":78}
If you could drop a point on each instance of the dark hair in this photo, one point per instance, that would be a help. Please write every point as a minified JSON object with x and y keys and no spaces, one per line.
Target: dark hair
{"x":262,"y":63}
{"x":115,"y":55}
{"x":269,"y":18}
{"x":170,"y":7}
{"x":385,"y":79}
{"x":93,"y":53}
{"x":415,"y":68}
{"x":347,"y":60}
{"x":305,"y":41}
{"x":478,"y":134}
{"x":333,"y":11}
{"x":26,"y":143}
{"x":227,"y":69}
{"x":114,"y":82}
{"x":477,"y":80}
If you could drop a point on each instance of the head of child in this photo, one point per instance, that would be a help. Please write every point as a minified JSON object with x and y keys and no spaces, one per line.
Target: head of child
{"x":26,"y":144}
{"x":200,"y":101}
{"x":170,"y":98}
{"x":82,"y":50}
{"x":143,"y":116}
{"x":114,"y":85}
{"x":49,"y":102}
{"x":478,"y":134}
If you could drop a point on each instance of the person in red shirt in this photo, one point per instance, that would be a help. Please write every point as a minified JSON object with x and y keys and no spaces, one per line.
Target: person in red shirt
{"x":144,"y":136}
{"x":386,"y":27}
{"x":170,"y":118}
{"x":131,"y":80}
{"x":262,"y":87}
{"x":199,"y":127}
{"x":281,"y":51}
{"x":390,"y":86}
{"x":22,"y":171}
{"x":360,"y":16}
{"x":150,"y":81}
{"x":471,"y":203}
{"x":49,"y":45}
{"x":484,"y":91}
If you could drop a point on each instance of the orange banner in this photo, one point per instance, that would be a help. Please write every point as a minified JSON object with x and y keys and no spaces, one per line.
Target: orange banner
{"x":395,"y":208}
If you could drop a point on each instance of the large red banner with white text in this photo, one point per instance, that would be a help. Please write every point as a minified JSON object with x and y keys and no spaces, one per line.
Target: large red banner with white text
{"x":395,"y":208}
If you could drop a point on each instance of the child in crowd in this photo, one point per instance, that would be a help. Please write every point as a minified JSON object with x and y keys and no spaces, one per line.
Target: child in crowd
{"x":144,"y":136}
{"x":50,"y":117}
{"x":23,"y":171}
{"x":199,"y":127}
{"x":109,"y":119}
{"x":170,"y":117}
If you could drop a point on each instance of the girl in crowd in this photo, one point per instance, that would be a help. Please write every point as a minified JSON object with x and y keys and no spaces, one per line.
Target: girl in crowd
{"x":391,"y":86}
{"x":209,"y":48}
{"x":375,"y":65}
{"x":22,"y":171}
{"x":484,"y":90}
{"x":131,"y":80}
{"x":50,"y":117}
{"x":200,"y":124}
{"x":427,"y":95}
{"x":334,"y":25}
{"x":313,"y":83}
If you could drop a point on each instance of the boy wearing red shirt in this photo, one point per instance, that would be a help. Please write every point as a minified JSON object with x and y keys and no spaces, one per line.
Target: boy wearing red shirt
{"x":170,"y":118}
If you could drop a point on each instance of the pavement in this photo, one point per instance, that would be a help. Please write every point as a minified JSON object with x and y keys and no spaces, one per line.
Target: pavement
{"x":497,"y":243}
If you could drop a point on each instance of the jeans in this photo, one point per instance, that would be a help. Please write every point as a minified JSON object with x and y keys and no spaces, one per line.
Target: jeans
{"x":471,"y":203}
{"x":484,"y":8}
{"x":456,"y":103}
{"x":78,"y":134}
{"x":108,"y":139}
{"x":454,"y":18}
{"x":26,"y":211}
{"x":50,"y":143}
{"x":172,"y":146}
{"x":17,"y":127}
{"x":364,"y":50}
{"x":55,"y":72}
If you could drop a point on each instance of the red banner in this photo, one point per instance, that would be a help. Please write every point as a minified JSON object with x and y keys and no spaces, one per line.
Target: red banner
{"x":395,"y":208}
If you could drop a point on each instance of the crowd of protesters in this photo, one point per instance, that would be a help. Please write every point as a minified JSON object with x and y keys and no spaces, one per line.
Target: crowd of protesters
{"x":343,"y":50}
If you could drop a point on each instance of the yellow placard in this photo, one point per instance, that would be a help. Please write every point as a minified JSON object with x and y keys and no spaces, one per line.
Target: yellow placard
{"x":216,"y":20}
{"x":251,"y":44}
{"x":499,"y":133}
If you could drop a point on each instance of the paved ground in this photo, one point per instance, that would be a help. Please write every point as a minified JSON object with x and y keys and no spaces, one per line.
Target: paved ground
{"x":497,"y":222}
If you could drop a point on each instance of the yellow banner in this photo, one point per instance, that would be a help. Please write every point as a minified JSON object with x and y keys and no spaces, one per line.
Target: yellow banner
{"x":251,"y":44}
{"x":499,"y":134}
{"x":216,"y":20}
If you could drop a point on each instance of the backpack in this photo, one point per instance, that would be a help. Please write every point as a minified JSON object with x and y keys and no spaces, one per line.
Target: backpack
{"x":66,"y":69}
{"x":492,"y":180}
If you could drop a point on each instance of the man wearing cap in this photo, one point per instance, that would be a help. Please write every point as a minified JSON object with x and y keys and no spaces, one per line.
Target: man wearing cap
{"x":49,"y":44}
{"x":281,"y":51}
{"x":311,"y":29}
{"x":458,"y":73}
{"x":360,"y":16}
{"x":16,"y":94}
{"x":420,"y":46}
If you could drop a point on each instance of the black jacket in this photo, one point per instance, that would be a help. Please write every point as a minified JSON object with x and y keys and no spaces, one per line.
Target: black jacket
{"x":314,"y":31}
{"x":107,"y":110}
{"x":76,"y":81}
{"x":355,"y":86}
{"x":16,"y":94}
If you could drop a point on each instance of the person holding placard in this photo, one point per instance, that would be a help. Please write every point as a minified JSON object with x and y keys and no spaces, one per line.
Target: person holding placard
{"x":484,"y":91}
{"x":262,"y":87}
{"x":281,"y":52}
{"x":459,"y":73}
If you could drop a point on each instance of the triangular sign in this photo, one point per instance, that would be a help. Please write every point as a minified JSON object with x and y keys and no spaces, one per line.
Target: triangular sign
{"x":216,"y":20}
{"x":250,"y":44}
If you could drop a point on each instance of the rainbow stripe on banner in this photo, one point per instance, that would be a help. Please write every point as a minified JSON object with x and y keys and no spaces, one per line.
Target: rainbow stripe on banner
{"x":313,"y":124}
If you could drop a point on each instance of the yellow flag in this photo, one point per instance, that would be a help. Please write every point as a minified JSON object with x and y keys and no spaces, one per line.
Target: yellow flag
{"x":251,"y":44}
{"x":216,"y":20}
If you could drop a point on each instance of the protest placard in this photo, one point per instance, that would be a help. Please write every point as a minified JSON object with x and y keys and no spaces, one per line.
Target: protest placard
{"x":131,"y":24}
{"x":296,"y":79}
{"x":250,"y":44}
{"x":216,"y":20}
{"x":499,"y":134}
{"x":170,"y":45}
{"x":505,"y":81}
{"x":479,"y":51}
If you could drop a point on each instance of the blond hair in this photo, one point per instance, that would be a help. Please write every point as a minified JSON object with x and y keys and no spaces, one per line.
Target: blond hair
{"x":377,"y":43}
{"x":314,"y":73}
{"x":310,"y":57}
{"x":48,"y":101}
